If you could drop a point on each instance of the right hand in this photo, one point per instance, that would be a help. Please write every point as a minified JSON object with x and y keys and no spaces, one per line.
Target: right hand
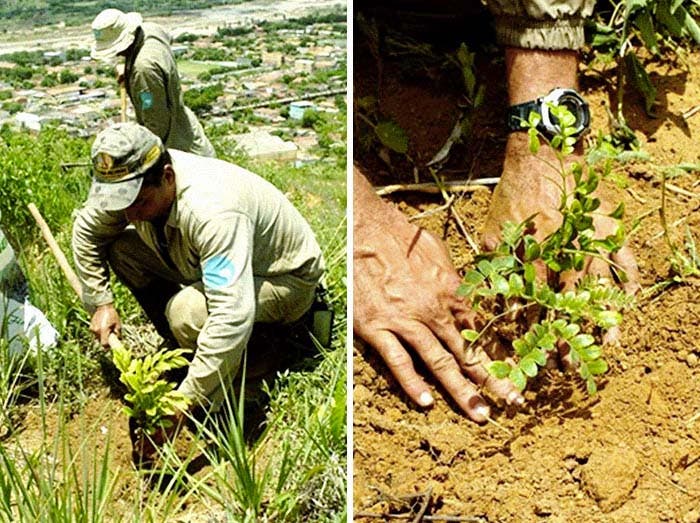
{"x":105,"y":321}
{"x":119,"y":72}
{"x":405,"y":291}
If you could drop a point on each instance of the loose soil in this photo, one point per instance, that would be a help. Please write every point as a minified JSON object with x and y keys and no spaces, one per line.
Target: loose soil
{"x":629,"y":454}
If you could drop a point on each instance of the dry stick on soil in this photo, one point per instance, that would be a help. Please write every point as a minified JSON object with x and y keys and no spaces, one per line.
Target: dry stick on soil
{"x":499,"y":426}
{"x":457,"y":217}
{"x":678,"y":190}
{"x":425,"y":214}
{"x":424,"y":505}
{"x":63,"y":262}
{"x":468,"y":519}
{"x":442,"y":188}
{"x":692,"y":419}
{"x":463,"y":229}
{"x":690,"y":112}
{"x":434,"y":188}
{"x":634,"y":195}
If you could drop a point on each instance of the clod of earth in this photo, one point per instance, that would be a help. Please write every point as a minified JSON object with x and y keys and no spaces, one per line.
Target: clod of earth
{"x":610,"y":476}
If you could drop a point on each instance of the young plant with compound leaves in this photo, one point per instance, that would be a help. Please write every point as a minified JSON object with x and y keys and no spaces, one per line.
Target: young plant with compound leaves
{"x":151,"y":398}
{"x":504,"y":280}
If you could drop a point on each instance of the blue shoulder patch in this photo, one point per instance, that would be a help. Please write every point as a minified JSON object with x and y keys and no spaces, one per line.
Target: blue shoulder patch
{"x":146,"y":100}
{"x":219,"y":272}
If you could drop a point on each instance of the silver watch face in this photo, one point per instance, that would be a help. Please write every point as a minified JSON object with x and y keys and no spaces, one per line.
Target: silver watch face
{"x":573,"y":101}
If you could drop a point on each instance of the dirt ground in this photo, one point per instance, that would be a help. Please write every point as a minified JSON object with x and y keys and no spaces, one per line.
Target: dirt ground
{"x":629,"y":454}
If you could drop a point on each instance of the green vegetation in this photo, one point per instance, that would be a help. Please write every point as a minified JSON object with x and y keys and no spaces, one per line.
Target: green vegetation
{"x":302,"y":479}
{"x":223,"y":33}
{"x":151,"y":399}
{"x":619,"y":32}
{"x":570,"y":320}
{"x":47,"y":12}
{"x":304,"y":21}
{"x":201,"y":100}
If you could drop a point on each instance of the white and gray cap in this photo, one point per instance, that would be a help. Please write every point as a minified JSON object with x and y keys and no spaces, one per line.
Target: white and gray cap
{"x":121,"y":155}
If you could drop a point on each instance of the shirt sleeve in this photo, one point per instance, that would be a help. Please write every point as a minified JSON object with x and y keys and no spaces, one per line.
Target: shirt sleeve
{"x":540,"y":24}
{"x":227,"y":274}
{"x":93,"y":231}
{"x":150,"y":99}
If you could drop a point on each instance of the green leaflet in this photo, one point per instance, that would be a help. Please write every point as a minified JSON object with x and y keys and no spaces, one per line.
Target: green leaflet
{"x":645,"y":25}
{"x":392,"y":136}
{"x":641,"y":81}
{"x":151,"y":399}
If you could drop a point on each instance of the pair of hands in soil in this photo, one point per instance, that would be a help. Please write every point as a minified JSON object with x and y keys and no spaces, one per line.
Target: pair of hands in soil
{"x":405,"y":284}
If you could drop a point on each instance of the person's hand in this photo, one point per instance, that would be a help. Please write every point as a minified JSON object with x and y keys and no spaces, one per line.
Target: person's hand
{"x":119,"y":72}
{"x":405,"y":295}
{"x":530,"y":186}
{"x":105,"y":321}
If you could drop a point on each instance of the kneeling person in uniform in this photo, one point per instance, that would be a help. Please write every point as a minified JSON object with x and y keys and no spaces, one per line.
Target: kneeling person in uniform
{"x":207,"y":248}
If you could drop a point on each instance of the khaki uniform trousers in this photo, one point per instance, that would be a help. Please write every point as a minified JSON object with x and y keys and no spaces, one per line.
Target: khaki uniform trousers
{"x":280,"y":299}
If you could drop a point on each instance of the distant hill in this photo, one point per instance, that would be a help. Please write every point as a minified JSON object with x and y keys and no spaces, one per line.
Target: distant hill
{"x":45,"y":12}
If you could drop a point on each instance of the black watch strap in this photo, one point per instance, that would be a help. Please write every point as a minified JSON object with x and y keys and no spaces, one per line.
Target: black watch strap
{"x":519,"y":112}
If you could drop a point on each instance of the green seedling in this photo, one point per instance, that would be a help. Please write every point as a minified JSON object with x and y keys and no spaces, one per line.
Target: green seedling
{"x":504,"y":280}
{"x":151,"y":399}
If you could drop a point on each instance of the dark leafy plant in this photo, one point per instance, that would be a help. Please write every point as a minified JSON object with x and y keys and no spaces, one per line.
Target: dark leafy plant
{"x":572,"y":320}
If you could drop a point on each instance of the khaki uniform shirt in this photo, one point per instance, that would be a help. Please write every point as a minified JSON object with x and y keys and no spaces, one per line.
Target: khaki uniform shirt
{"x":226,"y":226}
{"x":153,"y":85}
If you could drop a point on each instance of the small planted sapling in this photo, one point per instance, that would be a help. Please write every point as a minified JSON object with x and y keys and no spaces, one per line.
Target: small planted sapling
{"x":573,"y":321}
{"x":152,"y":400}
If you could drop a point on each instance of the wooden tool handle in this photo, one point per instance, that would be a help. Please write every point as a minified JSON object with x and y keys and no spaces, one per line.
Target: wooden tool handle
{"x":68,"y":271}
{"x":122,"y":92}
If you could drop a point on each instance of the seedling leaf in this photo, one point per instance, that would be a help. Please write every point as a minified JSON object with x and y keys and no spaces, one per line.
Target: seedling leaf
{"x":499,"y":369}
{"x":470,"y":335}
{"x":518,"y":378}
{"x":392,"y":136}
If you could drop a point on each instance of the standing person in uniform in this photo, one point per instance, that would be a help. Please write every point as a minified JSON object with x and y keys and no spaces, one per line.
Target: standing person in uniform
{"x":150,"y":77}
{"x":206,"y":247}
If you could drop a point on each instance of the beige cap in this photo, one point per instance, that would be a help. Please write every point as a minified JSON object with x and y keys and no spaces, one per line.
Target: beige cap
{"x":121,"y":154}
{"x":114,"y":32}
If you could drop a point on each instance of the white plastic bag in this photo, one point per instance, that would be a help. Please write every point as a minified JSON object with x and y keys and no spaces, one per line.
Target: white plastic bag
{"x":21,"y":324}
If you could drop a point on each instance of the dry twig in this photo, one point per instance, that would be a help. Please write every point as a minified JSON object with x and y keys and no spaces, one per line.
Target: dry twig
{"x":690,"y":112}
{"x":434,"y":188}
{"x":468,"y":519}
{"x":678,"y":190}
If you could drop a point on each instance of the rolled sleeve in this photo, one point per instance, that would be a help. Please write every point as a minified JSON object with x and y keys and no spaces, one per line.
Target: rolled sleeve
{"x":227,"y":275}
{"x":540,"y":24}
{"x":93,"y":232}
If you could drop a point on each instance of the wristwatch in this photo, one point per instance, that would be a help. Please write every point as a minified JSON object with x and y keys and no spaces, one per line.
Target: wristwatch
{"x":548,"y":124}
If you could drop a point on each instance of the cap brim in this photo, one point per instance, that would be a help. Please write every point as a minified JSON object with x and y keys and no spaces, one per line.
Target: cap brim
{"x":115,"y":196}
{"x":113,"y":50}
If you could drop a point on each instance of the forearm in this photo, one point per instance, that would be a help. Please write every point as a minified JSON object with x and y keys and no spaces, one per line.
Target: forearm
{"x":370,"y":213}
{"x":89,"y":242}
{"x":553,"y":69}
{"x":531,"y":73}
